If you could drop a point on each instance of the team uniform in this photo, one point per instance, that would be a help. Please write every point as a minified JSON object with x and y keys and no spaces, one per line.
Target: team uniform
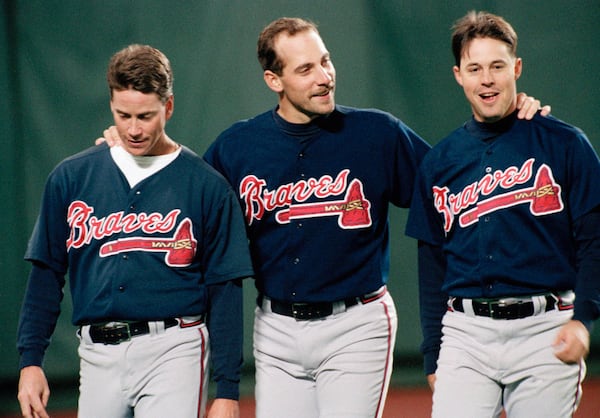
{"x":316,"y":200}
{"x":153,"y":271}
{"x":507,"y":216}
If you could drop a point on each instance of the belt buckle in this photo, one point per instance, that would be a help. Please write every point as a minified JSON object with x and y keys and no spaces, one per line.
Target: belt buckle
{"x":115,"y":333}
{"x":300,"y":311}
{"x":496,"y":307}
{"x":502,"y":303}
{"x":507,"y":308}
{"x":307,"y":311}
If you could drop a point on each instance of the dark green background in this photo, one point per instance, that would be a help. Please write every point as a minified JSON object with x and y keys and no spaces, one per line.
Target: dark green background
{"x":394,"y":55}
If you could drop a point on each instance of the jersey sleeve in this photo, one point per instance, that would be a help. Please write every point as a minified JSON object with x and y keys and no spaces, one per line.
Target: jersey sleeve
{"x":424,"y":223}
{"x":47,"y":243}
{"x":587,"y":288}
{"x":225,"y":327}
{"x":39,"y":313}
{"x":44,"y":292}
{"x":584,"y":172}
{"x":584,"y":204}
{"x":432,"y":302}
{"x":410,"y":150}
{"x":227,"y":254}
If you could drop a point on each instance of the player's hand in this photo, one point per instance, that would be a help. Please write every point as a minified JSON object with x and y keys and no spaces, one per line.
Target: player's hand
{"x":529,"y":106}
{"x":224,"y":408}
{"x":110,"y":136}
{"x":572,"y":343}
{"x":431,"y":381}
{"x":33,"y":392}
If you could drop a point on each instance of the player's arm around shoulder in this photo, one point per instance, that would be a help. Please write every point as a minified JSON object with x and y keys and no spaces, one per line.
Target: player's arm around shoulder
{"x":528,"y":106}
{"x":33,"y":392}
{"x":224,"y":408}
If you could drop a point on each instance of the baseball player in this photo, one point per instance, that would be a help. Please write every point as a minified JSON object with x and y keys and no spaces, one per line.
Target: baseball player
{"x":154,"y":243}
{"x":507,"y":214}
{"x":315,"y":181}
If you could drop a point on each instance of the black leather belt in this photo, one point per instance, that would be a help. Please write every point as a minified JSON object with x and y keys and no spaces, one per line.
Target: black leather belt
{"x":508,"y":308}
{"x":118,"y":332}
{"x":316,"y":310}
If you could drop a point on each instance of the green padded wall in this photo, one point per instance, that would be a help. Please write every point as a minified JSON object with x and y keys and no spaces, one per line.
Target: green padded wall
{"x":394,"y":55}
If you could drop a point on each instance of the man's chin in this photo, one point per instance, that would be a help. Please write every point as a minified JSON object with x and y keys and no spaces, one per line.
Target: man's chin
{"x":325,"y":108}
{"x":488,"y":116}
{"x":136,"y":149}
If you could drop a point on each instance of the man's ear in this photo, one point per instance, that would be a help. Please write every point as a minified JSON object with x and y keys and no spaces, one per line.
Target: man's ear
{"x":169,"y":107}
{"x":518,"y":68}
{"x":457,"y":76}
{"x":273,"y":81}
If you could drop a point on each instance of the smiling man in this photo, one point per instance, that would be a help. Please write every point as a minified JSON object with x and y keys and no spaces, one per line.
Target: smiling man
{"x":316,"y":180}
{"x":487,"y":73}
{"x":507,"y":214}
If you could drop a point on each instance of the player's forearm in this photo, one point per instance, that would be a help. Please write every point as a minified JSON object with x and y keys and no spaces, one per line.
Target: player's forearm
{"x":432,"y":301}
{"x":225,"y":327}
{"x":587,"y":289}
{"x":39,"y":313}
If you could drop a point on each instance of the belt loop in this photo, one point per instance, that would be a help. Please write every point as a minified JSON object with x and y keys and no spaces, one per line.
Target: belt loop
{"x":84,"y":333}
{"x":338,"y":307}
{"x":156,"y":327}
{"x":468,"y":307}
{"x":264,"y":303}
{"x":539,"y":304}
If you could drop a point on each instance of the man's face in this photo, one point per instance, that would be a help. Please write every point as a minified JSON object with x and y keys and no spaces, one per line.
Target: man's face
{"x":140,"y":119}
{"x":488,"y":74}
{"x":306,"y":85}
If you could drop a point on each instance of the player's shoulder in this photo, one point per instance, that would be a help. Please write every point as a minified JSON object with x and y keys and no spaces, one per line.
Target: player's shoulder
{"x":93,"y":155}
{"x":193,"y":161}
{"x":449,"y":147}
{"x":195,"y":165}
{"x":551,"y":130}
{"x":555,"y":125}
{"x":373,"y":114}
{"x":381,"y":123}
{"x":243,"y":127}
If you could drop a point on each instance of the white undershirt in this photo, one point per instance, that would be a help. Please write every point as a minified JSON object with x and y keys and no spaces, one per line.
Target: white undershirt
{"x":137,"y":168}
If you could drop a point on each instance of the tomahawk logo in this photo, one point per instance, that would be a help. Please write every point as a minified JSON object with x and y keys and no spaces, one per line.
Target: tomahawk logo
{"x":352,"y":212}
{"x":179,"y":250}
{"x":543,"y":198}
{"x":86,"y":227}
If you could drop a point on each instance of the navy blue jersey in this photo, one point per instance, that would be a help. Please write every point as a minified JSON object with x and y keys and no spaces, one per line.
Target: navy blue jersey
{"x":316,"y":198}
{"x":141,"y":253}
{"x":501,"y":199}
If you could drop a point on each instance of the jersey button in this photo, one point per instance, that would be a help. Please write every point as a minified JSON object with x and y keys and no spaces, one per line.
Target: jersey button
{"x":121,"y":288}
{"x":296,"y":260}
